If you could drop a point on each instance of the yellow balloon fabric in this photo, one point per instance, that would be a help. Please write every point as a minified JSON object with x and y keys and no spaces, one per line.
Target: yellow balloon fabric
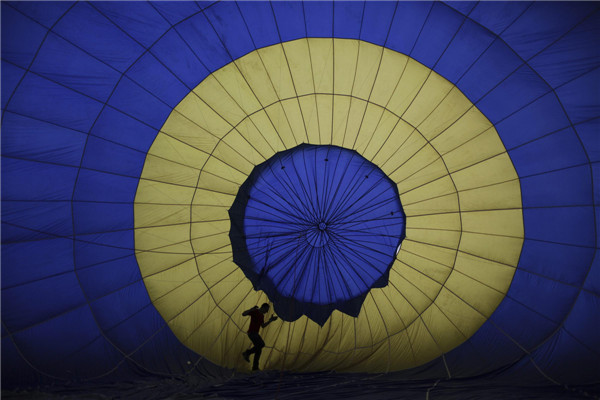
{"x":458,"y":187}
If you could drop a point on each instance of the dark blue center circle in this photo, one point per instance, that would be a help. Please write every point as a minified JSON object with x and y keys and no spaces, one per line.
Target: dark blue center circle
{"x":316,"y":227}
{"x":317,"y":235}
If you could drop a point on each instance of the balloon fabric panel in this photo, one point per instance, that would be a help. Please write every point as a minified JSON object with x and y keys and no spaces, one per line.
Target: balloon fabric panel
{"x":130,"y":128}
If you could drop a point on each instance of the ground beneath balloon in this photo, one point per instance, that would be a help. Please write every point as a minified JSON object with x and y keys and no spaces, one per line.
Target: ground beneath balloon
{"x":273,"y":385}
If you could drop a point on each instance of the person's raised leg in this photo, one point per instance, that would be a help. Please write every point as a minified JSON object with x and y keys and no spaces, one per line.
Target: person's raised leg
{"x":246,"y":354}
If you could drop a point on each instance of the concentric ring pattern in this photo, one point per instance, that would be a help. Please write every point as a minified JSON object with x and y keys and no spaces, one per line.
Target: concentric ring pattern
{"x":128,"y":128}
{"x":464,"y":221}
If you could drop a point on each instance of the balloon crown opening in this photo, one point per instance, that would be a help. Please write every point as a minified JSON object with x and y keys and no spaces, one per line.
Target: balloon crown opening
{"x":310,"y":230}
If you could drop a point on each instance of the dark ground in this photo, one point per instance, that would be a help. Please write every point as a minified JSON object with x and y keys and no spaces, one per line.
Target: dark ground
{"x":275,"y":385}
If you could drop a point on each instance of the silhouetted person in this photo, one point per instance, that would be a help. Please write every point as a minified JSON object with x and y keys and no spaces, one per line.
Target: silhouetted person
{"x":257,"y":319}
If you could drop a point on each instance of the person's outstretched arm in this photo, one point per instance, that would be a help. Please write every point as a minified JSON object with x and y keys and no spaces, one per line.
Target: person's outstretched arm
{"x":273,"y":318}
{"x":247,"y":312}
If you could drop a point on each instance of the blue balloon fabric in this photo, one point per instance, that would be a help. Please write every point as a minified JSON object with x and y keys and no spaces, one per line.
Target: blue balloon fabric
{"x":86,"y":87}
{"x":316,"y":227}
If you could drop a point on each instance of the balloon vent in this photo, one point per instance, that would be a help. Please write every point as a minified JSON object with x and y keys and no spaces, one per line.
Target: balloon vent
{"x":309,"y":230}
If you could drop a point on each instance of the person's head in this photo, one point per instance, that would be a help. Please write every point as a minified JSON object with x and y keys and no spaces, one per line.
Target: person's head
{"x":264,"y":308}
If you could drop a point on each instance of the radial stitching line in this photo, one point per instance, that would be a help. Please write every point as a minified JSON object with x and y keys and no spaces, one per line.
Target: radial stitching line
{"x":190,"y":90}
{"x":270,"y":81}
{"x":48,"y":30}
{"x":455,"y":188}
{"x":289,"y":69}
{"x":123,"y":74}
{"x":220,"y":83}
{"x":587,"y":155}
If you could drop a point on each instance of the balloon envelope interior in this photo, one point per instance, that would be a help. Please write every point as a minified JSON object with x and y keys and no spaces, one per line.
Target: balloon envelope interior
{"x":412,"y":187}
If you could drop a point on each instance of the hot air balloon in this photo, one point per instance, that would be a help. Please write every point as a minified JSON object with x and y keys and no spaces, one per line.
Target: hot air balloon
{"x":411,"y":187}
